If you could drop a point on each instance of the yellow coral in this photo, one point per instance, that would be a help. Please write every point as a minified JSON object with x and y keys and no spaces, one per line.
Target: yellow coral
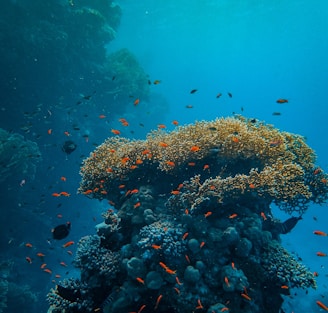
{"x":242,"y":155}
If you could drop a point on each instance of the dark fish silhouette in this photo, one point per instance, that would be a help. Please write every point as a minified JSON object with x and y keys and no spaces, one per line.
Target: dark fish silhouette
{"x":69,"y":146}
{"x":289,"y":224}
{"x":61,"y":231}
{"x":193,"y":91}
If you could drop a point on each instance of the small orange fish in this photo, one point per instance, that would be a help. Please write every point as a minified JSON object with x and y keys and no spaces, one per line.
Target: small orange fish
{"x":202,"y":244}
{"x":146,"y":151}
{"x":187,"y":258}
{"x":163,"y":265}
{"x":186,"y":211}
{"x":317,"y":171}
{"x":282,"y":101}
{"x":169,"y":271}
{"x":163,"y":144}
{"x":233,"y":215}
{"x":137,"y":205}
{"x":43,"y":265}
{"x":226,"y":280}
{"x":206,"y":167}
{"x":224,"y":309}
{"x":178,"y":281}
{"x":185,"y":235}
{"x":200,"y":306}
{"x":102,"y":116}
{"x":67,"y":244}
{"x":170,"y":163}
{"x":40,"y":255}
{"x":63,"y":178}
{"x":315,"y":274}
{"x":263,"y":216}
{"x":158,"y":301}
{"x":194,"y":148}
{"x":156,"y":247}
{"x":49,"y":131}
{"x":321,"y":305}
{"x":141,"y":308}
{"x":320,"y":233}
{"x":235,"y":139}
{"x":136,"y":102}
{"x":140,"y":280}
{"x":63,"y":264}
{"x":284,"y":287}
{"x":321,"y":254}
{"x":139,"y":161}
{"x":65,"y":194}
{"x":87,"y":192}
{"x":47,"y":271}
{"x":207,"y":214}
{"x":115,"y":131}
{"x":57,"y":276}
{"x":191,"y":163}
{"x":133,"y":191}
{"x":246,"y":297}
{"x":66,"y":133}
{"x":133,"y":167}
{"x":233,"y":265}
{"x":176,"y":290}
{"x":29,"y":245}
{"x":28,"y":259}
{"x":175,"y":192}
{"x":56,"y":194}
{"x":161,"y":126}
{"x":251,"y":186}
{"x":125,"y":159}
{"x":175,"y":122}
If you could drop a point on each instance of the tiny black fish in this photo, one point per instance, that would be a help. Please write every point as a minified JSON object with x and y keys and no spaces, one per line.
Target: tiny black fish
{"x":193,"y":91}
{"x":276,"y":113}
{"x":61,"y":231}
{"x":230,"y":94}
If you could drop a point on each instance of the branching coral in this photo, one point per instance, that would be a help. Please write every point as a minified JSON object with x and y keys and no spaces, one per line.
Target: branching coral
{"x":236,"y":157}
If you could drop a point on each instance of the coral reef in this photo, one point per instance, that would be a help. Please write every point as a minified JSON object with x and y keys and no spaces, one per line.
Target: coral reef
{"x":18,"y":157}
{"x":190,"y":227}
{"x":237,"y":158}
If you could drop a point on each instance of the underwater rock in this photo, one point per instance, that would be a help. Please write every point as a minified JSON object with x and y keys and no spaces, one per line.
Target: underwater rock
{"x":243,"y":248}
{"x":154,"y":280}
{"x":191,"y":274}
{"x":193,"y":245}
{"x":136,"y":268}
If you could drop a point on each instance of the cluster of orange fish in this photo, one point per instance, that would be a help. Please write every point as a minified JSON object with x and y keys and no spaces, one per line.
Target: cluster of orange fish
{"x":62,"y":193}
{"x":41,"y":255}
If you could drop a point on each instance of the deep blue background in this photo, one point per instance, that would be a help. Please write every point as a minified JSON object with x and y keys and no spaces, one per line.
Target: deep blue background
{"x":257,"y":50}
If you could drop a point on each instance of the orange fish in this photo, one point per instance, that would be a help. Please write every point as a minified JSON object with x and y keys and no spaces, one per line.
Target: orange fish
{"x":40,"y":255}
{"x":124,"y":160}
{"x":194,"y":148}
{"x":187,"y":258}
{"x":185,"y":235}
{"x":233,"y":215}
{"x":186,"y":211}
{"x":317,"y":171}
{"x":191,"y":164}
{"x":263,"y":216}
{"x":47,"y":271}
{"x":206,"y":167}
{"x":49,"y":131}
{"x":43,"y":265}
{"x":115,"y":131}
{"x":137,"y":205}
{"x":282,"y":101}
{"x":251,"y":186}
{"x":163,"y":144}
{"x":29,"y":245}
{"x":66,"y":133}
{"x":235,"y":139}
{"x":102,"y":116}
{"x":141,"y":308}
{"x":233,"y":265}
{"x":321,"y":305}
{"x":57,"y":276}
{"x":170,"y":163}
{"x":146,"y":151}
{"x":175,"y":192}
{"x":65,"y":194}
{"x":315,"y":274}
{"x":284,"y":287}
{"x":320,"y":233}
{"x":63,"y":178}
{"x":177,"y":290}
{"x":175,"y":122}
{"x":28,"y":259}
{"x":321,"y":254}
{"x":67,"y":244}
{"x":224,"y":309}
{"x":202,"y":244}
{"x":207,"y":214}
{"x":246,"y":297}
{"x":140,"y":280}
{"x":157,"y":301}
{"x":226,"y":280}
{"x":178,"y":281}
{"x":200,"y":306}
{"x":136,"y":101}
{"x":163,"y":265}
{"x":138,"y":161}
{"x":55,"y":194}
{"x":169,"y":271}
{"x":161,"y":126}
{"x":133,"y":191}
{"x":156,"y":247}
{"x":63,"y":264}
{"x":87,"y":192}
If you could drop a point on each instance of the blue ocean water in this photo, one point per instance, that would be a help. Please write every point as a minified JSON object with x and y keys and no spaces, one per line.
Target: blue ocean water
{"x":259,"y":51}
